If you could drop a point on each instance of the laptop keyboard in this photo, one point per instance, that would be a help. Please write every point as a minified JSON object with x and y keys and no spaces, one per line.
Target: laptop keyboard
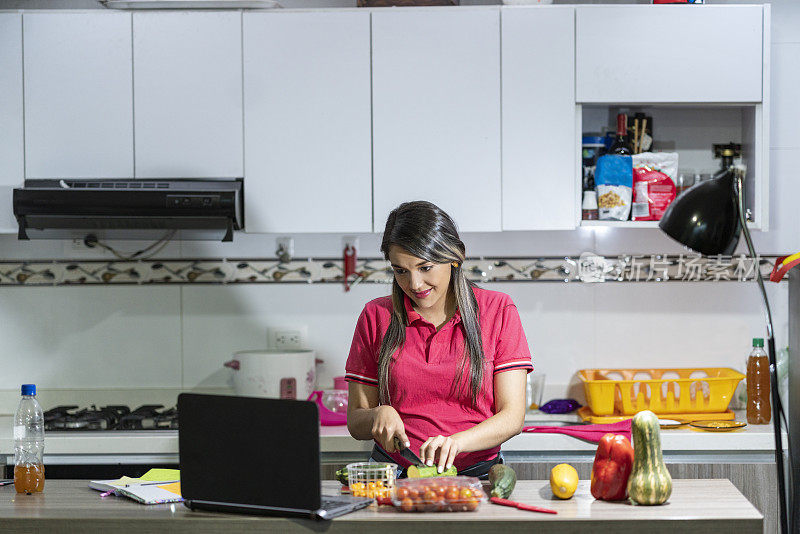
{"x":333,"y":502}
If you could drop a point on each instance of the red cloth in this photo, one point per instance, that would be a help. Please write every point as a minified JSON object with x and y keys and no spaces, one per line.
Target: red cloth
{"x":423,"y":370}
{"x":587,"y":432}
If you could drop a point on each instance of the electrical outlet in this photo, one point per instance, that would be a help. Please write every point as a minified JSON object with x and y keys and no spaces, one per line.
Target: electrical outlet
{"x":284,"y":249}
{"x":287,"y":338}
{"x":350,"y":241}
{"x":76,"y":248}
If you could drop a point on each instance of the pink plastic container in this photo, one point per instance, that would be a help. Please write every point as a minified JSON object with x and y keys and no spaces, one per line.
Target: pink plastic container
{"x":327,"y":417}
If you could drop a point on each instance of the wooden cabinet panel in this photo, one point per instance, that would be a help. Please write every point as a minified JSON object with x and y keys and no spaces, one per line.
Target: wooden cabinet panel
{"x":539,"y":138}
{"x":669,"y":53}
{"x":307,"y":122}
{"x":187,"y":72}
{"x":436,"y":113}
{"x":12,"y":167}
{"x":78,"y":95}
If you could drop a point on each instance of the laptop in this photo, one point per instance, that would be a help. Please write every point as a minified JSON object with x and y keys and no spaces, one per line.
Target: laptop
{"x":254,"y":455}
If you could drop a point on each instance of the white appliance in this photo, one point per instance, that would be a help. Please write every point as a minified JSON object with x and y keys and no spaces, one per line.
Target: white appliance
{"x":279,"y":374}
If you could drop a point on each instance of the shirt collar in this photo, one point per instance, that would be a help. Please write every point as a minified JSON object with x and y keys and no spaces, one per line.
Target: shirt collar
{"x":413,"y":315}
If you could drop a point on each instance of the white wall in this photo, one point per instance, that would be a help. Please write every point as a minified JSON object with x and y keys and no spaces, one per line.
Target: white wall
{"x":176,"y":337}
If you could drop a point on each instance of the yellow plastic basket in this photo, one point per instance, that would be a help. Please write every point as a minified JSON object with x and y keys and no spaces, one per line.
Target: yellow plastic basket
{"x":628,"y":391}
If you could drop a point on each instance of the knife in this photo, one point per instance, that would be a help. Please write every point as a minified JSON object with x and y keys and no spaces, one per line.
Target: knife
{"x":407,"y":453}
{"x":521,"y":506}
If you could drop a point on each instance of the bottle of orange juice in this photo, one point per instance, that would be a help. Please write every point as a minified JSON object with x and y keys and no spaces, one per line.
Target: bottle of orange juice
{"x":758,"y":385}
{"x":29,"y":443}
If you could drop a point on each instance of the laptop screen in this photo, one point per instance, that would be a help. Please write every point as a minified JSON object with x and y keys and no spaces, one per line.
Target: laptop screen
{"x":248,"y":450}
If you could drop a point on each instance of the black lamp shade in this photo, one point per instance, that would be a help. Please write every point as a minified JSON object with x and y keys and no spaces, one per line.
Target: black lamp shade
{"x":705,"y":217}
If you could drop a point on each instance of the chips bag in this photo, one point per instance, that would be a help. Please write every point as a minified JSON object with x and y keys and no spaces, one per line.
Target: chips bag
{"x":654,"y":176}
{"x":613,"y":179}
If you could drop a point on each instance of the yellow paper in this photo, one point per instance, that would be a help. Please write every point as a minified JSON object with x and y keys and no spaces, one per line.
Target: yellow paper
{"x":157,"y":475}
{"x":125,"y":481}
{"x":175,"y":487}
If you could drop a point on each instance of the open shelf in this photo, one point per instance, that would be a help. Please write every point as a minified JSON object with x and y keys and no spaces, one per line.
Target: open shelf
{"x":691,"y":130}
{"x":622,"y":224}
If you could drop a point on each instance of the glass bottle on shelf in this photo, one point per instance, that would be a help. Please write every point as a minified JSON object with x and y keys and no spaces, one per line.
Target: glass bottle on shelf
{"x":621,"y":145}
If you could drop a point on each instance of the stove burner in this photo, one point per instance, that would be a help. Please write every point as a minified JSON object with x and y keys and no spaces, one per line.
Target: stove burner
{"x":113,"y":417}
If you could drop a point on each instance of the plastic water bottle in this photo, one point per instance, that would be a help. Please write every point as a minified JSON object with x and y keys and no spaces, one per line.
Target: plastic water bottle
{"x":29,"y":443}
{"x":758,"y":385}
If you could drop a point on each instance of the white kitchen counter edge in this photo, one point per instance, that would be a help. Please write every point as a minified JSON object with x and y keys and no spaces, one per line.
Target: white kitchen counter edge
{"x":338,"y":440}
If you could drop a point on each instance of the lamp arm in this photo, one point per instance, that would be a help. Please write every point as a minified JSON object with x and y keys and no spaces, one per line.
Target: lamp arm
{"x":777,"y":406}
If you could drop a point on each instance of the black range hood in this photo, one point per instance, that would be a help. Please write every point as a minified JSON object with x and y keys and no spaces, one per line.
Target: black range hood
{"x":142,"y":209}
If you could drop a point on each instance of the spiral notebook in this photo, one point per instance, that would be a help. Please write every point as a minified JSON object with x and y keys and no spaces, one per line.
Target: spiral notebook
{"x":145,"y":490}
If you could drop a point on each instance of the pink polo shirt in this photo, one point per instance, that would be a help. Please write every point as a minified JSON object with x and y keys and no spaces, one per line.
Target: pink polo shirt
{"x":423,"y":370}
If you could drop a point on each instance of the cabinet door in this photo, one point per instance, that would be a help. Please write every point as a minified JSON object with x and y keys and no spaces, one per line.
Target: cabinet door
{"x":307,"y":122}
{"x":669,"y":53}
{"x":436,"y":113}
{"x":187,"y":72}
{"x":539,"y":140}
{"x":78,"y":95}
{"x":11,"y":162}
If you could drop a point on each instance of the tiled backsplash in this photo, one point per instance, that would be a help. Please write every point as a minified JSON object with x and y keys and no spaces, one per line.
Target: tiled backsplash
{"x":587,"y":267}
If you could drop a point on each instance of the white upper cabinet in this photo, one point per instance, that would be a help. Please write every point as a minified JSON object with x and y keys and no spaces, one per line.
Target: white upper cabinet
{"x":436,"y":113}
{"x":669,"y":53}
{"x":11,"y":161}
{"x":539,"y":140}
{"x":187,"y":73}
{"x":78,"y":95}
{"x":307,"y":122}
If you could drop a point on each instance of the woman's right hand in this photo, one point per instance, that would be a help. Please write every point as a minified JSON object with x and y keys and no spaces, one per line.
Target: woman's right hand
{"x":386,"y":426}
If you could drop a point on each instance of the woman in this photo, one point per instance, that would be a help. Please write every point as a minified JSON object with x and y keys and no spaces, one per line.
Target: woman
{"x":440,"y":366}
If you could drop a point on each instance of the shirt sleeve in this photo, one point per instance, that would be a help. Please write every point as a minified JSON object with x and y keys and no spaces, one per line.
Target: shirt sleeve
{"x":512,"y":350}
{"x":362,"y":362}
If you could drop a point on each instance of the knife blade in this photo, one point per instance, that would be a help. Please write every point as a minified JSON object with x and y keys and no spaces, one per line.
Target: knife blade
{"x":407,"y":453}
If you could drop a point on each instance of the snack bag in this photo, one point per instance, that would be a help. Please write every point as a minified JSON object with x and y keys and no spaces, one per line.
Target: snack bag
{"x":654,"y":176}
{"x":613,"y":178}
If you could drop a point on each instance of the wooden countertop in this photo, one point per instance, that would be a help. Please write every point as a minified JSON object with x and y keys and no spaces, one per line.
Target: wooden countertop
{"x":708,"y":506}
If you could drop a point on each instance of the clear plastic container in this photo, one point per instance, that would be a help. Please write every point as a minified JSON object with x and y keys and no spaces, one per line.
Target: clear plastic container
{"x":438,"y":494}
{"x":371,"y":479}
{"x":29,"y":443}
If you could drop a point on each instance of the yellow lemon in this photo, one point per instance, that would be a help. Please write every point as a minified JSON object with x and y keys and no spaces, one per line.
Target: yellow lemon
{"x":563,"y":481}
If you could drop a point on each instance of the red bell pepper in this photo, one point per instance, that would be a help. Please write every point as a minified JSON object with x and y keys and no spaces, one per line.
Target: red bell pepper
{"x":612,"y":467}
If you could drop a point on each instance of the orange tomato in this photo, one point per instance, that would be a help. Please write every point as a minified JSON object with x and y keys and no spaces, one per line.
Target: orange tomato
{"x":452,"y":495}
{"x":472,"y":504}
{"x":407,"y":505}
{"x":402,"y":493}
{"x":465,"y":493}
{"x":441,"y":491}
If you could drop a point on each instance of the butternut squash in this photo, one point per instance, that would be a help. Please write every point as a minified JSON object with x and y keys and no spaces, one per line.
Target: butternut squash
{"x":650,"y":482}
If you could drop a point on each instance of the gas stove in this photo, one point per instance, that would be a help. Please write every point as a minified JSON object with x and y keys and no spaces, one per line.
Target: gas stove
{"x":114,"y":417}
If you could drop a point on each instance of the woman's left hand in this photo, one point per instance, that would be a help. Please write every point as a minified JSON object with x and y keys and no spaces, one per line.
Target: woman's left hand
{"x":440,"y":450}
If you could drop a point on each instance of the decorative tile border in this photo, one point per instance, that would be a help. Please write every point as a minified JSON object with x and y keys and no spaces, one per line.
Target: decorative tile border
{"x":587,"y":268}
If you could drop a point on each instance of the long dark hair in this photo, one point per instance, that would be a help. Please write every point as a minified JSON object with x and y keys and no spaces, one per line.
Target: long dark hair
{"x":425,"y":231}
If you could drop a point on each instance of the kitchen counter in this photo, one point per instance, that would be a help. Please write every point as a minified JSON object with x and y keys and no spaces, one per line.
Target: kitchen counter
{"x":336,"y":444}
{"x":710,"y":506}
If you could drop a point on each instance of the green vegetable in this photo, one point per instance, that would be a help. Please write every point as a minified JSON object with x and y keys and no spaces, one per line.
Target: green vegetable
{"x":649,"y":482}
{"x":341,"y":476}
{"x":423,"y":471}
{"x":503,"y":479}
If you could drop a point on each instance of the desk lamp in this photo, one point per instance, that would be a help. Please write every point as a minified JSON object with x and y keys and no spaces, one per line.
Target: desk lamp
{"x":708,"y":218}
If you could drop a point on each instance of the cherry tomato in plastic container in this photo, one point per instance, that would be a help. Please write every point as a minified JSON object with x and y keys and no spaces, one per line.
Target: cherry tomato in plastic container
{"x":442,"y":494}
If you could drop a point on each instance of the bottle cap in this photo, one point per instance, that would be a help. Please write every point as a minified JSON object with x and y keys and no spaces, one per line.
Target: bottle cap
{"x":29,"y":389}
{"x":758,"y":342}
